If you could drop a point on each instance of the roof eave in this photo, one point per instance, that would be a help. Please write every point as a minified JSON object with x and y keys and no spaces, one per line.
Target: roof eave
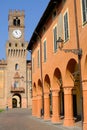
{"x":45,"y":15}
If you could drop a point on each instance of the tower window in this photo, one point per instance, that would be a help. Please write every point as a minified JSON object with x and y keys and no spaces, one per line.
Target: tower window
{"x":22,"y":45}
{"x":9,"y":44}
{"x":16,"y":22}
{"x":16,"y":84}
{"x":15,"y":44}
{"x":16,"y":67}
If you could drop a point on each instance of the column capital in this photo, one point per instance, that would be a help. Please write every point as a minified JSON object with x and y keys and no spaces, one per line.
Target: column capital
{"x":68,"y":90}
{"x":84,"y":85}
{"x":55,"y":92}
{"x":39,"y":96}
{"x":46,"y":94}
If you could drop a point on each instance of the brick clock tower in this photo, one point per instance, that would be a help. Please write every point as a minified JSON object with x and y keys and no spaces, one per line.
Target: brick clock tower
{"x":16,"y":61}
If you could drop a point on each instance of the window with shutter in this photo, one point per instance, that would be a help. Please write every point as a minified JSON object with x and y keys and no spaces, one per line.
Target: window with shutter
{"x":66,"y":29}
{"x":38,"y":58}
{"x":45,"y":56}
{"x":55,"y":38}
{"x":84,"y":11}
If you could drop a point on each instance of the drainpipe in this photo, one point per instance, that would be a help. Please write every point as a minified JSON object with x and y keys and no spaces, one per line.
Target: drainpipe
{"x":39,"y":37}
{"x":79,"y":59}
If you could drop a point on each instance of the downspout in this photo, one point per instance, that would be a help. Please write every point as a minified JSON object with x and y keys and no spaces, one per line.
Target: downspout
{"x":39,"y":37}
{"x":79,"y":60}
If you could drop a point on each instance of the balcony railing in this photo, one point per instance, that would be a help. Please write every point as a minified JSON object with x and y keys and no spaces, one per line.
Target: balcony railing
{"x":19,"y":89}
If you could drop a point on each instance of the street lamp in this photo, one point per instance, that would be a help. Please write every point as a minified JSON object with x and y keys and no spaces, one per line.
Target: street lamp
{"x":79,"y":53}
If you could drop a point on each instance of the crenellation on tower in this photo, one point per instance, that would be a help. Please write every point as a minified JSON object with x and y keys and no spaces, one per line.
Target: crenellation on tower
{"x":18,"y":53}
{"x":15,"y":13}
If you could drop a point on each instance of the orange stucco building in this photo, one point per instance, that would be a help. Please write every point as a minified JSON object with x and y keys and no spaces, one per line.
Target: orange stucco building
{"x":59,"y":74}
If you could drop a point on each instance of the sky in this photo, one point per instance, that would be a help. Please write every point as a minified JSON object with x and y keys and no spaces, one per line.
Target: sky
{"x":33,"y":11}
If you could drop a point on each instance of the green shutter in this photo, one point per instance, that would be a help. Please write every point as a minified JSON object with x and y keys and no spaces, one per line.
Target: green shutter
{"x":44,"y":51}
{"x":66,"y":26}
{"x":38,"y":58}
{"x":55,"y":39}
{"x":84,"y":10}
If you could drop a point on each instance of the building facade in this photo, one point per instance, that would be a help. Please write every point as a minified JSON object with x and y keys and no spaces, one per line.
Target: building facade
{"x":59,"y":56}
{"x":15,"y":81}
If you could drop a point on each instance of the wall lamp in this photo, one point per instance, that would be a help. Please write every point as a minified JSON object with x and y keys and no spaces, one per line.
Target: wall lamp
{"x":75,"y":51}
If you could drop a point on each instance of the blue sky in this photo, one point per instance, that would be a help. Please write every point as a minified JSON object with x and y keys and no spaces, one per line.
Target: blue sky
{"x":33,"y":12}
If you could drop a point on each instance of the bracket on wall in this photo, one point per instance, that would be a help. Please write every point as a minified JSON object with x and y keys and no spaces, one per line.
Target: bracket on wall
{"x":75,"y":51}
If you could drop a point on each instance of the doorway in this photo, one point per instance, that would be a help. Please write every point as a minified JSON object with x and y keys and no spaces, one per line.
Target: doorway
{"x":16,"y":101}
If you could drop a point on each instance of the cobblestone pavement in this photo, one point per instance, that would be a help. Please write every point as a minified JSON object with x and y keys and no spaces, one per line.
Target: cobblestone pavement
{"x":21,"y":119}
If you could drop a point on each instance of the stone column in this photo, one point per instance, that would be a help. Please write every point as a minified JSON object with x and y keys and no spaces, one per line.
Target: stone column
{"x":55,"y":106}
{"x":85,"y":105}
{"x":68,"y":107}
{"x":46,"y":106}
{"x":39,"y":106}
{"x":34,"y":106}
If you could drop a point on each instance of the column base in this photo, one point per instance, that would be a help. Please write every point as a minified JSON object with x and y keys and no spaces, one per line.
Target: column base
{"x":55,"y":119}
{"x":46,"y":118}
{"x":68,"y":122}
{"x":84,"y":125}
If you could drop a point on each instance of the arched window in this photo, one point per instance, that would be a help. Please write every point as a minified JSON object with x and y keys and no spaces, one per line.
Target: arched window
{"x":16,"y":67}
{"x":9,"y":44}
{"x":15,"y":44}
{"x":16,"y":22}
{"x":22,"y":45}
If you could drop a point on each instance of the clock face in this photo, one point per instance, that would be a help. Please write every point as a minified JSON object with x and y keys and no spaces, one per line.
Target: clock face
{"x":17,"y":33}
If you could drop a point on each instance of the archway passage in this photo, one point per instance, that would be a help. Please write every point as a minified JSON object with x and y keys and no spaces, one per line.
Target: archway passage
{"x":57,"y":96}
{"x":71,"y":93}
{"x":16,"y":101}
{"x":47,"y":97}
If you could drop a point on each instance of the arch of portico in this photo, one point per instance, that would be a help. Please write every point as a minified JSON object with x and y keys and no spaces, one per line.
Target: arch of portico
{"x":65,"y":90}
{"x":34,"y":100}
{"x":84,"y":87}
{"x":39,"y":98}
{"x":57,"y":96}
{"x":47,"y":88}
{"x":71,"y":92}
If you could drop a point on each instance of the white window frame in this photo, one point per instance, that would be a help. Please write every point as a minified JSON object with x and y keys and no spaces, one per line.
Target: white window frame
{"x":55,"y":49}
{"x":65,"y":40}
